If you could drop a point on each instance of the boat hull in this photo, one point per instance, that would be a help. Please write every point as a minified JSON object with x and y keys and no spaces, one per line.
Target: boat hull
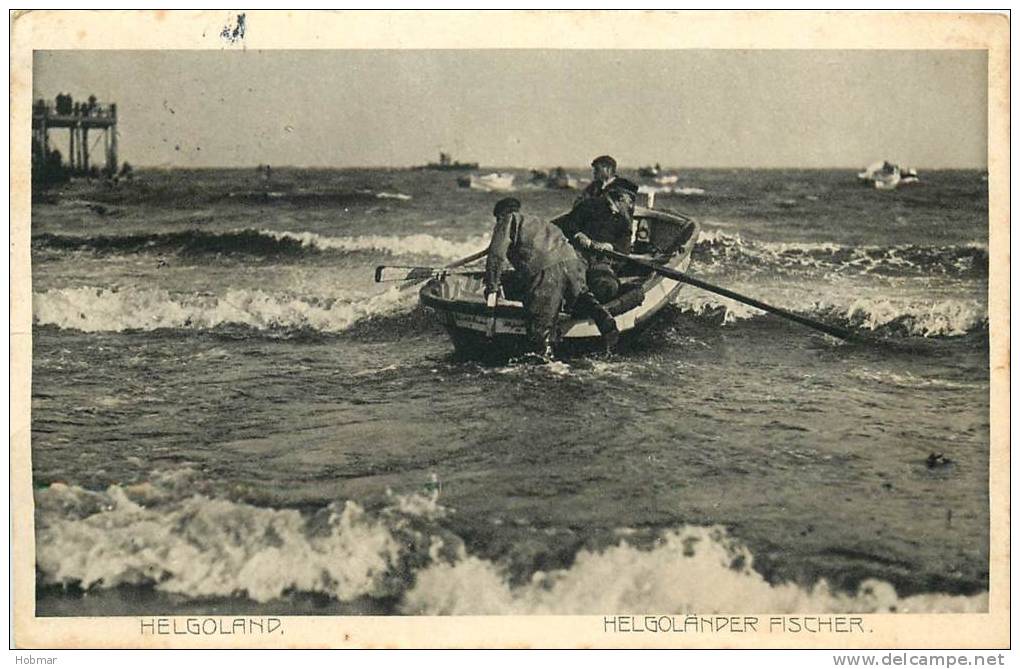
{"x":478,"y":331}
{"x":496,"y":182}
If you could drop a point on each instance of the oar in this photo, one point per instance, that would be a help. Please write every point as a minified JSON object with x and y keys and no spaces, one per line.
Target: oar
{"x":418,"y":274}
{"x":415,"y":274}
{"x":680,"y":276}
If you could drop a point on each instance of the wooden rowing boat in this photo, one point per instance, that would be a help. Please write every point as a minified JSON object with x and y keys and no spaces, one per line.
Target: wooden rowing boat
{"x":477,"y":330}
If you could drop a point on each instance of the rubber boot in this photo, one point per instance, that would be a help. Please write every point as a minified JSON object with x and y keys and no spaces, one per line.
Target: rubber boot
{"x":607,"y":328}
{"x":589,"y":307}
{"x":542,"y":350}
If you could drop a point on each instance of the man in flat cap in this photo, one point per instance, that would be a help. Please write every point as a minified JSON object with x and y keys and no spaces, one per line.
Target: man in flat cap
{"x":552,"y":272}
{"x":604,"y":223}
{"x":603,"y":173}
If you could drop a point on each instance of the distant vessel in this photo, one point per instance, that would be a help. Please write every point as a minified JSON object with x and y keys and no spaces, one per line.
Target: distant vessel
{"x":447,"y":163}
{"x":660,"y":176}
{"x":884,"y":175}
{"x":497,"y":181}
{"x":559,"y":179}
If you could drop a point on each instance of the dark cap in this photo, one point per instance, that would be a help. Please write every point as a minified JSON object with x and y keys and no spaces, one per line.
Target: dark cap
{"x":604,"y":160}
{"x":505,"y":205}
{"x":621,"y":185}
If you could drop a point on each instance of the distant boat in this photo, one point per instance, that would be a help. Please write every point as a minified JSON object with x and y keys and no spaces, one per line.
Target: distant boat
{"x":559,"y":179}
{"x":448,"y":163}
{"x":497,"y":181}
{"x":884,"y":175}
{"x":650,"y":171}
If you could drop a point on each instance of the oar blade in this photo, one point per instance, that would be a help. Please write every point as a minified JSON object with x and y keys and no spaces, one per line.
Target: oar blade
{"x":388,"y":273}
{"x":420,"y":274}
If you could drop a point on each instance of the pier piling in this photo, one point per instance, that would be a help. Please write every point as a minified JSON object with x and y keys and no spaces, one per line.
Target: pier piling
{"x":77,"y":118}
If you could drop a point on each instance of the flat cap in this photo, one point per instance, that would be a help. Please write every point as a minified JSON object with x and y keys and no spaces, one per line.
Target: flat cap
{"x":505,"y":205}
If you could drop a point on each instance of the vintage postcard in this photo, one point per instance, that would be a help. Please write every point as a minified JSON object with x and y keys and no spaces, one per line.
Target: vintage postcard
{"x":510,"y":329}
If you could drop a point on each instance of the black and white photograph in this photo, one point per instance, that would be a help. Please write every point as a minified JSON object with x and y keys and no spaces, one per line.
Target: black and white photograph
{"x":703,"y":333}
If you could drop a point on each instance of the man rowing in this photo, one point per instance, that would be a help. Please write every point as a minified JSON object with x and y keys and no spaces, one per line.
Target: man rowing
{"x":604,"y":223}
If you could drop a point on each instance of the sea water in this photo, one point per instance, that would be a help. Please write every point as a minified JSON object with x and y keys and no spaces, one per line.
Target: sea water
{"x":229,"y":415}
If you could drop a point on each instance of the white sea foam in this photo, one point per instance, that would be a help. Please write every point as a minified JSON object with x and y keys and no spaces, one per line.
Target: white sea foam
{"x":915,"y":317}
{"x":942,"y":318}
{"x":153,"y":535}
{"x":109,"y":310}
{"x":730,"y":249}
{"x":206,"y":547}
{"x":690,"y":570}
{"x":419,"y":244}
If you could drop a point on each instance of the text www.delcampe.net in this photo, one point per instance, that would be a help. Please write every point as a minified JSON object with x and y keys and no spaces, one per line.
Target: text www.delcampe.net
{"x":919,"y":660}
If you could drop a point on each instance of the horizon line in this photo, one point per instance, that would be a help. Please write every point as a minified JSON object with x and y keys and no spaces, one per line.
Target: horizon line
{"x":483,"y":167}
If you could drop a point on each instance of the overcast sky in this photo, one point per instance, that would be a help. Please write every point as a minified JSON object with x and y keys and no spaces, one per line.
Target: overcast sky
{"x":693,"y":108}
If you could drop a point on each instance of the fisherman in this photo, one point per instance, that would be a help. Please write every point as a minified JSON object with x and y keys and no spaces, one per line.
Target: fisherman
{"x":552,"y":274}
{"x":605,"y":223}
{"x":603,"y":173}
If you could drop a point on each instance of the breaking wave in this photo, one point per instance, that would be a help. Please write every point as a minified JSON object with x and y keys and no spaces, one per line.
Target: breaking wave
{"x":92,"y":309}
{"x":200,"y":546}
{"x":260,"y":243}
{"x":713,"y":248}
{"x":891,"y":317}
{"x":716,"y":247}
{"x":164,"y":535}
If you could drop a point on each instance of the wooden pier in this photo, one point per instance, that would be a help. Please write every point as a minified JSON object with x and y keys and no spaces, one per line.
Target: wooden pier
{"x":78,"y":118}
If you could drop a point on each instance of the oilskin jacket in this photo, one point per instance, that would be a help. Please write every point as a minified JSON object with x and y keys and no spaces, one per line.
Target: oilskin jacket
{"x":527,"y":243}
{"x":596,"y":220}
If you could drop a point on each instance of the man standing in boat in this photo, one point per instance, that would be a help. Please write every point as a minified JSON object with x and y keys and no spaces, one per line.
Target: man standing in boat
{"x":603,"y":173}
{"x":605,"y":223}
{"x":553,"y":275}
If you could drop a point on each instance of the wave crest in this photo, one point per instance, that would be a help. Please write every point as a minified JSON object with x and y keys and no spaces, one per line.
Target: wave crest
{"x":714,"y":248}
{"x":202,"y":547}
{"x":904,"y":318}
{"x":165,"y":536}
{"x":691,"y":570}
{"x":717,"y":247}
{"x":260,"y":243}
{"x":91,"y":309}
